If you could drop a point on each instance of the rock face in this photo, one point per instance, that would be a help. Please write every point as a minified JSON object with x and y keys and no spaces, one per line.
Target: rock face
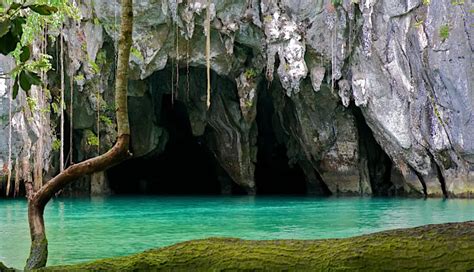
{"x":369,"y":97}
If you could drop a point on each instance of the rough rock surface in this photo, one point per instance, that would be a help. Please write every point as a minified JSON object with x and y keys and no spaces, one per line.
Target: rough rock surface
{"x":370,"y":96}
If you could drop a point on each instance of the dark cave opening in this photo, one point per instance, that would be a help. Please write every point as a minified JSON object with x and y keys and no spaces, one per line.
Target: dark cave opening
{"x":185,"y":167}
{"x":379,"y":163}
{"x":273,"y":173}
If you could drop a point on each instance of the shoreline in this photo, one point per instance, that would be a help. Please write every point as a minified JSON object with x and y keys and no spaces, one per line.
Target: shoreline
{"x":447,"y":246}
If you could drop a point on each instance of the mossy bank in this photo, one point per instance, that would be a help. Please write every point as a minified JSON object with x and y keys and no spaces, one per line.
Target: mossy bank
{"x":429,"y":248}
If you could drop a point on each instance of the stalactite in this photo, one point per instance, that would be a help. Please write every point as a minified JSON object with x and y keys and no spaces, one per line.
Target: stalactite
{"x":208,"y":52}
{"x":17,"y":173}
{"x":61,"y":107}
{"x":9,"y":174}
{"x":333,"y":41}
{"x":172,"y":81}
{"x":177,"y":62}
{"x":41,"y":103}
{"x":187,"y":69}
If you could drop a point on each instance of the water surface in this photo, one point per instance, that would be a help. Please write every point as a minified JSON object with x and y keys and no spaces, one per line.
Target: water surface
{"x":85,"y":229}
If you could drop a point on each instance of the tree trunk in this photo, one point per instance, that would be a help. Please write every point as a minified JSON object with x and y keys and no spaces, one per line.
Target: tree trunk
{"x":119,"y":152}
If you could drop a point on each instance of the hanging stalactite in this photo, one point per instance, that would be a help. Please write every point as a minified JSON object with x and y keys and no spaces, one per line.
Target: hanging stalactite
{"x":177,"y":62}
{"x":187,"y":69}
{"x":172,"y":82}
{"x":208,"y":52}
{"x":9,"y":173}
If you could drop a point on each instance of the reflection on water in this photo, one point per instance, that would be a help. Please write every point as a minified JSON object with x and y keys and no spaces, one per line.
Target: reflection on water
{"x":86,"y":229}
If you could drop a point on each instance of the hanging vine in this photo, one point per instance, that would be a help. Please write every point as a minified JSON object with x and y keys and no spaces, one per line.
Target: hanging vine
{"x":98,"y":120}
{"x":208,"y":52}
{"x":71,"y":118}
{"x":61,"y":106}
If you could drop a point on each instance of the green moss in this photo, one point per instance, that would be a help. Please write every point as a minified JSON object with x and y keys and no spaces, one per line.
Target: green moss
{"x":434,"y":247}
{"x":457,"y":2}
{"x":56,"y":144}
{"x":336,"y":2}
{"x":91,"y":138}
{"x":79,"y":77}
{"x":4,"y":268}
{"x":106,"y":120}
{"x":444,"y":32}
{"x":136,"y":53}
{"x":251,"y":73}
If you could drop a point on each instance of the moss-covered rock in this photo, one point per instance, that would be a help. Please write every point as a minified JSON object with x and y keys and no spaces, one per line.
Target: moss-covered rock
{"x":428,"y":248}
{"x":4,"y":268}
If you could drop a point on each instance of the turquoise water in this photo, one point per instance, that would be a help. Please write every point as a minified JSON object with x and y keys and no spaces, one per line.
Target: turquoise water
{"x":86,"y":229}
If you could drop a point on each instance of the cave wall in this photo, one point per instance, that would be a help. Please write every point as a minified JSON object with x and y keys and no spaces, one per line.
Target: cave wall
{"x":368,"y":97}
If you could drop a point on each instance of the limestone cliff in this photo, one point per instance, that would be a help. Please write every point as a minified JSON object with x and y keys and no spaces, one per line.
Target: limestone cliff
{"x":368,"y":97}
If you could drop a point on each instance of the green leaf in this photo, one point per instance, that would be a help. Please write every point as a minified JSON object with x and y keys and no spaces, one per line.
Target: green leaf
{"x":43,"y":9}
{"x":4,"y":27}
{"x":8,"y":43}
{"x":15,"y":88}
{"x":24,"y":82}
{"x":14,"y":6}
{"x":17,"y":27}
{"x":25,"y":54}
{"x":33,"y":78}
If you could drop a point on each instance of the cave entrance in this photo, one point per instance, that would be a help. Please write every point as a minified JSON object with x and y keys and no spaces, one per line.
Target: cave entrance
{"x":186,"y":166}
{"x":273,"y":173}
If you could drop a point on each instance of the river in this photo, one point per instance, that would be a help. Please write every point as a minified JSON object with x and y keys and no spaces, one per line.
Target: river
{"x":81,"y":230}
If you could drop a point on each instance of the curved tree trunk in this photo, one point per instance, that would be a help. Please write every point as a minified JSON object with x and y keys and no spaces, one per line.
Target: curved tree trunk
{"x":119,"y":152}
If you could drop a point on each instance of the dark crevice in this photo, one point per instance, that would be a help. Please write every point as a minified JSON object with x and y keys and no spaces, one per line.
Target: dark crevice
{"x":323,"y":189}
{"x":439,"y":174}
{"x":273,"y":174}
{"x":378,"y":162}
{"x":422,"y":180}
{"x":441,"y":180}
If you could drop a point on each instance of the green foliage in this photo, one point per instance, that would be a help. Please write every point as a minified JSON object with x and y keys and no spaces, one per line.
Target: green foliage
{"x":101,"y":58}
{"x":106,"y":120}
{"x":251,"y":73}
{"x":55,"y":107}
{"x":91,"y":138}
{"x":336,"y":2}
{"x":56,"y":145}
{"x":444,"y":32}
{"x":94,"y":67}
{"x":136,"y":53}
{"x":248,"y":104}
{"x":20,"y":24}
{"x":426,"y":2}
{"x":457,"y":2}
{"x":31,"y":103}
{"x":79,"y":78}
